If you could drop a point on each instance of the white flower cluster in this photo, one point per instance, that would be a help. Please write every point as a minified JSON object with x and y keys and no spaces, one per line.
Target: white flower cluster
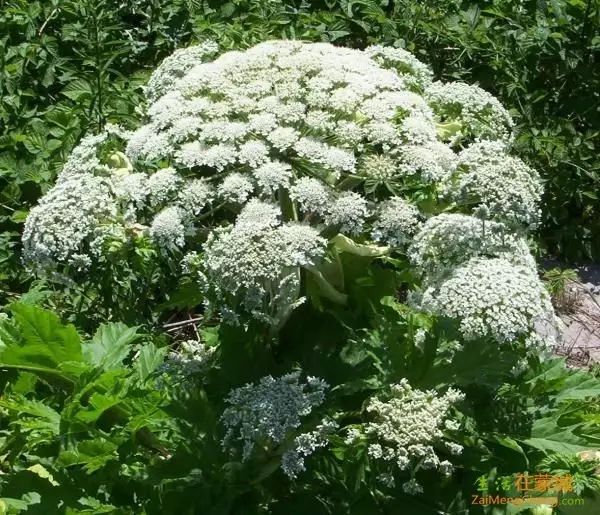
{"x":433,"y":162}
{"x":491,"y":298}
{"x":163,"y":186}
{"x":265,"y":414}
{"x":406,"y":430}
{"x":235,"y":188}
{"x":311,"y":195}
{"x":84,"y":157}
{"x":253,"y":264}
{"x":167,"y":228}
{"x":191,"y":357}
{"x":58,"y":228}
{"x":481,"y":115}
{"x":328,"y":134}
{"x":175,"y":66}
{"x":416,"y":74}
{"x":194,"y":197}
{"x":449,"y":239}
{"x":131,"y":193}
{"x":93,"y":201}
{"x":496,"y":185}
{"x":397,"y":222}
{"x":305,"y":444}
{"x":283,"y":100}
{"x":348,"y":212}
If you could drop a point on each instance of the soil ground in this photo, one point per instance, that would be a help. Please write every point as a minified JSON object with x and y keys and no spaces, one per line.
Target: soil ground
{"x":581,"y":337}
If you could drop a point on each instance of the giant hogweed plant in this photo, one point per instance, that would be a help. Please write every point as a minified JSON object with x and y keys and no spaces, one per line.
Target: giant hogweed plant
{"x":358,"y":234}
{"x":254,"y":171}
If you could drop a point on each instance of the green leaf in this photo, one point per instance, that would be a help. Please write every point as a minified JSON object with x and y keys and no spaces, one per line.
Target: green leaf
{"x":11,"y":505}
{"x":110,"y":345}
{"x":77,"y":90}
{"x":46,"y":418}
{"x":98,"y":405}
{"x":19,"y":216}
{"x":509,"y":443}
{"x":38,"y":342}
{"x":149,"y":359}
{"x":227,"y":10}
{"x":210,"y":336}
{"x":43,"y":473}
{"x":92,"y":454}
{"x":187,"y":295}
{"x":92,"y":506}
{"x":547,"y":436}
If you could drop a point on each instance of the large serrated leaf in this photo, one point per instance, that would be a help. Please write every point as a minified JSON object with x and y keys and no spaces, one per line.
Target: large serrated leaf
{"x":77,"y":90}
{"x":149,"y":359}
{"x":548,"y":437}
{"x":39,"y":415}
{"x":92,"y":454}
{"x":110,"y":345}
{"x":39,"y":342}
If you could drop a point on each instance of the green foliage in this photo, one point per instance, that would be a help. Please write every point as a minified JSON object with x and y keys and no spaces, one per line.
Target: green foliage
{"x":77,"y":416}
{"x":560,"y":283}
{"x":582,"y":471}
{"x":557,"y":280}
{"x":66,"y":68}
{"x":101,"y":424}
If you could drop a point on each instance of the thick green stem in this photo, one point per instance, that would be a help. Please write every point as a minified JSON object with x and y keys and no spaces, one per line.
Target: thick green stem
{"x":287,"y":205}
{"x":327,"y":290}
{"x":344,"y":244}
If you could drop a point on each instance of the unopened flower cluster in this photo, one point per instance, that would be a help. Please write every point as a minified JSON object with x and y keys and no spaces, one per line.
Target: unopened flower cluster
{"x":269,"y":148}
{"x":267,"y":413}
{"x":408,"y":430}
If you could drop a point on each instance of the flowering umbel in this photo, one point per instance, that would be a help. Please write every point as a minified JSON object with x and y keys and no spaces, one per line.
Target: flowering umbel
{"x":269,"y":412}
{"x":407,"y":431}
{"x":251,"y":160}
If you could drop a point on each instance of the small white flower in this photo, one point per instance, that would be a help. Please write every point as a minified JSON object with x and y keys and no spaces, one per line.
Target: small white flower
{"x":352,"y":435}
{"x":379,"y":167}
{"x":397,"y":222}
{"x":163,"y":185}
{"x":195,"y":196}
{"x":481,"y":114}
{"x":253,"y":153}
{"x":412,"y":487}
{"x":311,"y":195}
{"x":269,"y":410}
{"x":167,"y":228}
{"x":235,"y":188}
{"x":273,"y":175}
{"x":489,"y":298}
{"x":349,"y":212}
{"x":449,"y":239}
